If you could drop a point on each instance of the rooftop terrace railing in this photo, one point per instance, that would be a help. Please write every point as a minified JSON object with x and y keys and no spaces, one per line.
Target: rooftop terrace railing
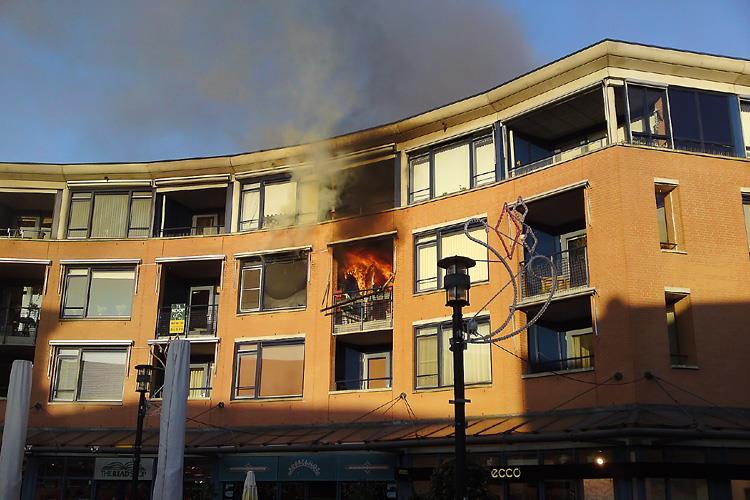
{"x":29,"y":234}
{"x":571,"y":268}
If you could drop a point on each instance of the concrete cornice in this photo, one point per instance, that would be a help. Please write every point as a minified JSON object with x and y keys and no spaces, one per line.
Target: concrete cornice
{"x":604,"y":55}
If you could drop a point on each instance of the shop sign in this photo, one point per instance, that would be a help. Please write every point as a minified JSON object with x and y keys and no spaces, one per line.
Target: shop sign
{"x":121,"y":469}
{"x":235,"y":467}
{"x":307,"y":468}
{"x":366,"y":467}
{"x":177,"y":319}
{"x":310,"y":467}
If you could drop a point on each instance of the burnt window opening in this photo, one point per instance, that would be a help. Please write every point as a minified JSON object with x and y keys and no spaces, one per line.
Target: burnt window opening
{"x":26,"y":215}
{"x":191,"y":212}
{"x":273,"y":282}
{"x":189,"y":298}
{"x":360,"y":190}
{"x":558,"y":131}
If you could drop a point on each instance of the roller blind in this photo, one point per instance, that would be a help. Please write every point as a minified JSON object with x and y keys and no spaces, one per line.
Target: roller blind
{"x":78,"y":221}
{"x":110,"y":216}
{"x":140,"y":215}
{"x":279,"y":203}
{"x":484,"y":161}
{"x":458,"y":243}
{"x":282,"y":370}
{"x":420,"y":178}
{"x":451,"y":169}
{"x":102,"y":375}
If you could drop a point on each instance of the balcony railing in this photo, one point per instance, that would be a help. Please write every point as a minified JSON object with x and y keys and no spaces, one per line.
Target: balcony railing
{"x":18,"y":325}
{"x":363,"y":384}
{"x":364,"y":311}
{"x":571,"y":272}
{"x":558,"y":365}
{"x":192,"y":231}
{"x":25,"y":233}
{"x":198,"y":321}
{"x":559,"y":156}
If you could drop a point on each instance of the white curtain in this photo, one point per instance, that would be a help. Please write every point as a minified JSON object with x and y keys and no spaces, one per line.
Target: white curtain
{"x":169,"y":477}
{"x":14,"y":429}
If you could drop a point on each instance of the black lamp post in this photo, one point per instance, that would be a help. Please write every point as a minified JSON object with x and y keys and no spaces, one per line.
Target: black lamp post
{"x":457,"y":283}
{"x":142,"y":386}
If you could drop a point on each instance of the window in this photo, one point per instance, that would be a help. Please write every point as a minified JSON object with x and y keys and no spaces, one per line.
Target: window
{"x":202,"y":363}
{"x":554,"y":350}
{"x":701,"y":121}
{"x":445,"y":169}
{"x":667,"y":214}
{"x":200,"y":381}
{"x":649,"y":117}
{"x":268,"y":203}
{"x":680,"y":329}
{"x":276,"y":281}
{"x":88,"y":374}
{"x":434,"y":359}
{"x":109,"y":214}
{"x":746,"y":209}
{"x":269,"y":369}
{"x":745,"y":119}
{"x":432,"y":246}
{"x":92,"y":292}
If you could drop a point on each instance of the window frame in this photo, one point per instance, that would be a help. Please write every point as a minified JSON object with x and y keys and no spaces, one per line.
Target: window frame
{"x":261,"y":190}
{"x":469,"y":140}
{"x":132,"y":195}
{"x":696,"y":93}
{"x":437,"y":242}
{"x":647,"y":86}
{"x":258,"y":350}
{"x":246,"y":263}
{"x":79,"y":359}
{"x":670,"y":215}
{"x":744,"y":134}
{"x":442,"y":328}
{"x":90,"y":269}
{"x":563,"y":353}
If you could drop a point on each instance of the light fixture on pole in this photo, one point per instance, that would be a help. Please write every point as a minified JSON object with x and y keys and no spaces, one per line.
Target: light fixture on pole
{"x":457,"y":283}
{"x":143,"y":383}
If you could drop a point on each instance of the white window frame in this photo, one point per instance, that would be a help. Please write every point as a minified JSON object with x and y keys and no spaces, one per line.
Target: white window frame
{"x":81,"y":349}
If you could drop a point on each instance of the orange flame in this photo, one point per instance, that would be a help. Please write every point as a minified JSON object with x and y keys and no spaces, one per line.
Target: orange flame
{"x":370,"y":267}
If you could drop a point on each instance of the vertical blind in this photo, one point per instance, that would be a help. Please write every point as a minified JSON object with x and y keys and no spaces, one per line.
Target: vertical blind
{"x":110,"y":219}
{"x":459,"y":244}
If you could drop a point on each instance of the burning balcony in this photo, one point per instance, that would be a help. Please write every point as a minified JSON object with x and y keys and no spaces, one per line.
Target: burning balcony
{"x":363,"y":361}
{"x":26,"y":215}
{"x":188,"y":305}
{"x":559,"y":224}
{"x":363,"y":300}
{"x":558,"y":132}
{"x":191,"y":212}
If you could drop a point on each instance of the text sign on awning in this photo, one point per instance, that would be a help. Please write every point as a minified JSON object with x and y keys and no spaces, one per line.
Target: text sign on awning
{"x":121,"y":469}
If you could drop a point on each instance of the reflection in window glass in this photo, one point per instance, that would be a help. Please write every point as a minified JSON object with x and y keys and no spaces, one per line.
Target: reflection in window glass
{"x":111,"y":293}
{"x":649,"y":120}
{"x":701,"y":121}
{"x":277,"y":281}
{"x":89,"y":374}
{"x":745,"y":120}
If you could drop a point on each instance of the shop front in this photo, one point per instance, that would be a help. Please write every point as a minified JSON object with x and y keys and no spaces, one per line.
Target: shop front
{"x":314,"y":476}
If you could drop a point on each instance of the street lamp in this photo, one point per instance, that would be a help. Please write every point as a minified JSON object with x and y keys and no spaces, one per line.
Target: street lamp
{"x":457,"y":283}
{"x":143,"y":381}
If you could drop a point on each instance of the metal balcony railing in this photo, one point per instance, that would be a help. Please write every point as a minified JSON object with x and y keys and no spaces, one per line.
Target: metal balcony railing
{"x":571,"y":272}
{"x":25,"y":233}
{"x":198,"y":321}
{"x":192,"y":231}
{"x":18,"y":325}
{"x":559,"y":156}
{"x":363,"y":311}
{"x":558,"y":365}
{"x":363,"y":384}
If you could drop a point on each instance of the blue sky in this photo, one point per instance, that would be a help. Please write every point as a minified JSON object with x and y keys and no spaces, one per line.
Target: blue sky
{"x":95,"y":81}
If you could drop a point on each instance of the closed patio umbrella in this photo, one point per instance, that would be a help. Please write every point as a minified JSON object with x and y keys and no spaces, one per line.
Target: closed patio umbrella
{"x":250,"y":488}
{"x":14,"y":429}
{"x":168,"y":482}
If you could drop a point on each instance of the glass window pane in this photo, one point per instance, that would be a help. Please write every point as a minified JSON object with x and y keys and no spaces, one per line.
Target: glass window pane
{"x":484,"y":161}
{"x":285,"y":284}
{"x":67,"y":378}
{"x":745,"y":119}
{"x":446,"y":373}
{"x":78,"y":221}
{"x":279,"y":204}
{"x":110,"y":216}
{"x":684,"y":118}
{"x":102,"y":375}
{"x":457,"y":243}
{"x":247,"y":363}
{"x":427,"y":364}
{"x":715,"y":120}
{"x":426,"y":267}
{"x":282,"y":370}
{"x":420,"y":178}
{"x":140,"y":217}
{"x":746,"y":209}
{"x":111,"y":293}
{"x":250,"y":210}
{"x":250,"y":292}
{"x":477,"y":359}
{"x":75,"y":293}
{"x":200,"y":381}
{"x":451,"y":169}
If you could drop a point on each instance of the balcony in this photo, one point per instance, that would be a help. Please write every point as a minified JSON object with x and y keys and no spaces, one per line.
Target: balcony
{"x":368,"y":310}
{"x":18,"y":325}
{"x":560,"y":156}
{"x":363,"y":361}
{"x":571,"y":272}
{"x":26,"y":215}
{"x":565,"y":364}
{"x":199,"y":211}
{"x":188,"y":321}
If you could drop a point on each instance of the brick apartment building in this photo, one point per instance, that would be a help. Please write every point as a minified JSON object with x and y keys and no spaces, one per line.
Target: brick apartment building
{"x":310,"y":294}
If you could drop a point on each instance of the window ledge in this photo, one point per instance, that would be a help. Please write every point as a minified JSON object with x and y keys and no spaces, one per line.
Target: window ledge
{"x":102,"y":318}
{"x":85,"y":403}
{"x":483,"y":385}
{"x":359,"y":391}
{"x":552,"y":374}
{"x":273,"y":311}
{"x":677,"y":251}
{"x":686,"y":367}
{"x":267,"y":400}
